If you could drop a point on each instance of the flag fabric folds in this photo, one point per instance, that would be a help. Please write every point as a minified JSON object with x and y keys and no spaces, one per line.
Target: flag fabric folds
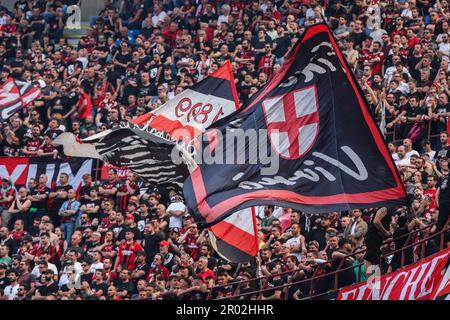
{"x":15,"y":95}
{"x":316,"y":123}
{"x":235,"y":238}
{"x":196,"y":108}
{"x":145,"y":144}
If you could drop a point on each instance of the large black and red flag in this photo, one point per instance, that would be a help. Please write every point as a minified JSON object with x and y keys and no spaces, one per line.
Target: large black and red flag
{"x":317,"y":125}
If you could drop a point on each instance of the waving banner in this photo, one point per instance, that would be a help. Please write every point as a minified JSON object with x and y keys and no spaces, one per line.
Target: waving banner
{"x":144,"y":145}
{"x":307,"y":140}
{"x":15,"y":95}
{"x":195,"y":108}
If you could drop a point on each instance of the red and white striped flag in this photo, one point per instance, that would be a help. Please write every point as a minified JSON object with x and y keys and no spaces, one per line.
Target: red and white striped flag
{"x":15,"y":95}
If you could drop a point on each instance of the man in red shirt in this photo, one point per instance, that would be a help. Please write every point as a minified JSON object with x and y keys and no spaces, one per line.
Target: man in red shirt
{"x":267,"y":61}
{"x":84,"y":103}
{"x":375,"y":58}
{"x":46,"y":247}
{"x":157,"y":269}
{"x":128,"y":251}
{"x":109,"y":189}
{"x":431,"y":191}
{"x":203,"y":267}
{"x":18,"y":231}
{"x":125,"y":190}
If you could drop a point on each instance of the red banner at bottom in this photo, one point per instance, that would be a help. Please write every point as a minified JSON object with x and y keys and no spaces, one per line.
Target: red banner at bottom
{"x":420,"y":281}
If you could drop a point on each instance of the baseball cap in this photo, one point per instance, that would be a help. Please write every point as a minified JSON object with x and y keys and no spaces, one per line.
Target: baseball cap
{"x":129,"y":216}
{"x":164,"y":243}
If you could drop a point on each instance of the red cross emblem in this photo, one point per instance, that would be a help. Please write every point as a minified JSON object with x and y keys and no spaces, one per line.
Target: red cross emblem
{"x":292,"y":121}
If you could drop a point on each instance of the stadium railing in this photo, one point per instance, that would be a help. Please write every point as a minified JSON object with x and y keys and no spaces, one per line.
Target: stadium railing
{"x":336,"y":273}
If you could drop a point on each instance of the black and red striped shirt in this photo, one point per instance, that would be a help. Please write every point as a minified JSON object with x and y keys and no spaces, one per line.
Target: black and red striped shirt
{"x":123,"y":200}
{"x":128,"y":252}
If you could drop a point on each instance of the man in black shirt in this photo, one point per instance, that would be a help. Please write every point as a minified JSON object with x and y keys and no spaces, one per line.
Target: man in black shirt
{"x":85,"y":190}
{"x":282,"y":43}
{"x":4,"y":280}
{"x":141,"y":270}
{"x":332,"y":245}
{"x":318,"y":232}
{"x":38,"y":196}
{"x":86,"y":274}
{"x":59,"y":194}
{"x":7,"y":240}
{"x":224,"y":290}
{"x":49,"y":286}
{"x":125,"y":288}
{"x":377,"y":233}
{"x":146,"y":88}
{"x":99,"y":286}
{"x":151,"y":241}
{"x":37,"y":23}
{"x":273,"y":281}
{"x":73,"y":66}
{"x":53,"y":130}
{"x":122,"y":57}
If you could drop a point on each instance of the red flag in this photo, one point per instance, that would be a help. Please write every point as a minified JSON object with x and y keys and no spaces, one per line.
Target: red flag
{"x":15,"y":95}
{"x":420,"y":281}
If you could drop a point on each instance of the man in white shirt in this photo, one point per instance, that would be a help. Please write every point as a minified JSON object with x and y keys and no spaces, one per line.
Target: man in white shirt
{"x":225,"y":10}
{"x":403,"y":160}
{"x":296,"y":241}
{"x":426,"y":144}
{"x":11,"y":290}
{"x":97,"y":263}
{"x":72,"y":264}
{"x":158,"y":15}
{"x":377,"y":33}
{"x":444,"y":46}
{"x":407,"y":143}
{"x":398,"y":67}
{"x":176,"y":210}
{"x":43,"y":265}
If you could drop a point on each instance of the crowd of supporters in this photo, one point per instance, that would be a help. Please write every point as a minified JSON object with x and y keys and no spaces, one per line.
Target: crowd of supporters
{"x":110,"y":240}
